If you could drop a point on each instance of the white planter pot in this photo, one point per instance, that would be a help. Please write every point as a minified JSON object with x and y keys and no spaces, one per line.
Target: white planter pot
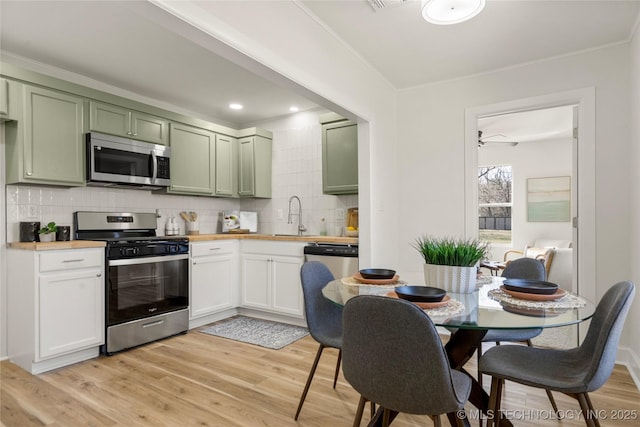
{"x":47,"y":237}
{"x":451,"y":278}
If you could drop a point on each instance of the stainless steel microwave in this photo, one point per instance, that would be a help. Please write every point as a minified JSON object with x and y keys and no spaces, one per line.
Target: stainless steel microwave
{"x":120,"y":162}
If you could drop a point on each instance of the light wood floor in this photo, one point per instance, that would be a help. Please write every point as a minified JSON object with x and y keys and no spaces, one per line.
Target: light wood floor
{"x":201,"y":380}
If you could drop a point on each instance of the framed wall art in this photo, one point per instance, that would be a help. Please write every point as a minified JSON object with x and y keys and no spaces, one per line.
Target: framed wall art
{"x":549,"y":199}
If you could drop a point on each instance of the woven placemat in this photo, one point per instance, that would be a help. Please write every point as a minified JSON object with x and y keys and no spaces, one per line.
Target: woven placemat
{"x":350,"y":281}
{"x":568,"y":301}
{"x":452,"y":308}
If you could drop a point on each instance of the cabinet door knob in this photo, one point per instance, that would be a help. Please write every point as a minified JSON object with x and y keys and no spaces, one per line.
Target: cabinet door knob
{"x":99,"y":275}
{"x":29,"y":173}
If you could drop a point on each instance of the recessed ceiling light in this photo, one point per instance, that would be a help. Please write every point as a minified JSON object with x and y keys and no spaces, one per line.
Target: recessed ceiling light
{"x":294,"y":109}
{"x":235,"y":106}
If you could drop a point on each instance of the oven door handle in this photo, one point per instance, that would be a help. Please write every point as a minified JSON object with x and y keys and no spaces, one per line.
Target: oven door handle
{"x":147,"y":260}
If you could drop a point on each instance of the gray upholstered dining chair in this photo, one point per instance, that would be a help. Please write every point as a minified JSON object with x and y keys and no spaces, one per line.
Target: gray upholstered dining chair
{"x":574,"y":372}
{"x":324,"y":318}
{"x":393,"y":356}
{"x":521,"y":268}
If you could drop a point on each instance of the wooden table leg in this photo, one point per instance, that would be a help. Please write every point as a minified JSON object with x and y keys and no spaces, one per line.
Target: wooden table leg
{"x":460,"y":348}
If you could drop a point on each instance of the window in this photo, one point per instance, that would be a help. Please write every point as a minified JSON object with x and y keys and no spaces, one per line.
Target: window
{"x":495,"y":203}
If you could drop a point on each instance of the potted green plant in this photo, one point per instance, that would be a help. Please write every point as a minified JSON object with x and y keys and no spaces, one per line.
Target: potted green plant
{"x":48,"y":232}
{"x":451,"y":263}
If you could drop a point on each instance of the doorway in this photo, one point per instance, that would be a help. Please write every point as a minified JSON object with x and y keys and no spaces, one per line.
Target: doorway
{"x":581,"y":226}
{"x":517,"y":151}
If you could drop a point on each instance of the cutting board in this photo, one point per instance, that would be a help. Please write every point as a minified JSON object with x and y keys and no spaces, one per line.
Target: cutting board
{"x":352,"y":217}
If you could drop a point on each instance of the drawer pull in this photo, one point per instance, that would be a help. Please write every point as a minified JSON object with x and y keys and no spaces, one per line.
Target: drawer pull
{"x":214,"y":249}
{"x":148,"y":325}
{"x":74,"y":260}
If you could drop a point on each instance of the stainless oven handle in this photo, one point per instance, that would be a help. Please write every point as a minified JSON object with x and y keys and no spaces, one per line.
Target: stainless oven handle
{"x":146,"y":260}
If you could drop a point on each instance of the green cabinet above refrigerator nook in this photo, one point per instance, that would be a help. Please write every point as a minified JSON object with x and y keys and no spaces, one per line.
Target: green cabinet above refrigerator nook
{"x":339,"y":155}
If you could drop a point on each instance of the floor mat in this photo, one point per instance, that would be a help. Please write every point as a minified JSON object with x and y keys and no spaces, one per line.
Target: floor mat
{"x":264,"y":333}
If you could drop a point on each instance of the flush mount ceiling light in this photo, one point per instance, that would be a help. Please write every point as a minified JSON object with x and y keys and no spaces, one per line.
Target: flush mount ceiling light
{"x":294,"y":109}
{"x":235,"y":106}
{"x":446,"y":12}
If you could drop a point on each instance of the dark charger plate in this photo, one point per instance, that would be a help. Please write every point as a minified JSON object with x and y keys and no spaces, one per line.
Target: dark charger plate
{"x":530,"y":286}
{"x":377,"y":273}
{"x":420,"y":293}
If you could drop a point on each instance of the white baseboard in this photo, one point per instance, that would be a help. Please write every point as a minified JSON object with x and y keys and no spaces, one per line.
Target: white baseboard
{"x":204,"y":320}
{"x":631,"y":360}
{"x":265,"y":315}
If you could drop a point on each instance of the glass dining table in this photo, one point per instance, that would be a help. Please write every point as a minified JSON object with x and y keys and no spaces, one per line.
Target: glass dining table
{"x":471,"y":315}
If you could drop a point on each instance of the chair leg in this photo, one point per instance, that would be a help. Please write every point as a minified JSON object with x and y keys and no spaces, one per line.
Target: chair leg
{"x":311,"y":373}
{"x":554,"y":405}
{"x":436,"y":420}
{"x":385,"y":417}
{"x":335,"y":377}
{"x":592,"y":411}
{"x":494,"y":401}
{"x":358,"y":419}
{"x":587,"y":410}
{"x":373,"y":409}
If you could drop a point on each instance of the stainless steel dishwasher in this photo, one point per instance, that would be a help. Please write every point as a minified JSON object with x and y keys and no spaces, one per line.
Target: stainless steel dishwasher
{"x":342,"y":259}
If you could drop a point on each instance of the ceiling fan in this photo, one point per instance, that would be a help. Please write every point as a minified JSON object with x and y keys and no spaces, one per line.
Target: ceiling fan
{"x":483,"y":140}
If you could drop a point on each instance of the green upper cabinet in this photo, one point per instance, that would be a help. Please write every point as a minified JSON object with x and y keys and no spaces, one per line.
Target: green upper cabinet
{"x":339,"y":156}
{"x":255,"y":167}
{"x":115,"y":120}
{"x":9,"y":99}
{"x":192,"y":160}
{"x":4,"y":98}
{"x":46,"y":144}
{"x":226,"y":166}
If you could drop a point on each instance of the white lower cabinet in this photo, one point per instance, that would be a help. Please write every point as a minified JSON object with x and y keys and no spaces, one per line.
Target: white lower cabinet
{"x":213,"y":277}
{"x":56,"y":310}
{"x":271,"y":276}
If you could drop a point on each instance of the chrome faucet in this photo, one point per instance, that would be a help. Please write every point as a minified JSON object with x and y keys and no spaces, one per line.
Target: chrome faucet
{"x":301,"y":228}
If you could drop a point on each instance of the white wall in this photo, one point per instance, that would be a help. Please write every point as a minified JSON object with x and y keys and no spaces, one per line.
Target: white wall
{"x":431,"y":123}
{"x":3,"y":253}
{"x":535,"y":159}
{"x":633,"y":325}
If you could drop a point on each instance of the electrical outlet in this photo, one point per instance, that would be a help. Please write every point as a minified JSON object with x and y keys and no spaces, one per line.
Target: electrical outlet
{"x":339,"y":213}
{"x":32,"y":211}
{"x":280,"y":214}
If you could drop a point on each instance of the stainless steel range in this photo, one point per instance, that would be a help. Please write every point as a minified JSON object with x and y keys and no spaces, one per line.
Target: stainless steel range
{"x":147,"y":277}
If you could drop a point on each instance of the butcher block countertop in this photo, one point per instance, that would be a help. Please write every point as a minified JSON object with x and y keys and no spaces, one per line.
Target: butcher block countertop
{"x":52,"y":246}
{"x":319,"y":239}
{"x":81,"y":244}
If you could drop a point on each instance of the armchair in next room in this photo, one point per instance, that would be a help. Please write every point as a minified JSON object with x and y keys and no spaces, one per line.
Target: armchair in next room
{"x":546,"y":251}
